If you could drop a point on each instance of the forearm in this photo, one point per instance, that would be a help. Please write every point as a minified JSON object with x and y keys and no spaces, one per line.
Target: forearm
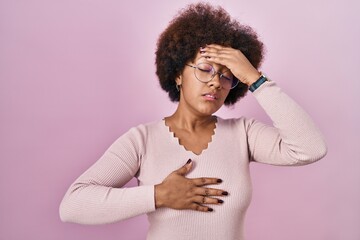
{"x":98,"y":196}
{"x":92,"y":204}
{"x":299,"y":140}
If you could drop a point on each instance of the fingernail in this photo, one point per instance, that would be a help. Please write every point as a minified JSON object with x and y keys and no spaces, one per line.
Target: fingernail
{"x":202,"y":47}
{"x":202,"y":52}
{"x":210,"y":209}
{"x":225,"y":193}
{"x":219,"y":181}
{"x":188,"y":161}
{"x":220,"y":201}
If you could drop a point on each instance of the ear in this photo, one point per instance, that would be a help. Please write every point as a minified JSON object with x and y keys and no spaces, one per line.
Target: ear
{"x":178,"y":80}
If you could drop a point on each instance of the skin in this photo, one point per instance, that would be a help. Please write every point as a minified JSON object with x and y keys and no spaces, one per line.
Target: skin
{"x":193,"y":124}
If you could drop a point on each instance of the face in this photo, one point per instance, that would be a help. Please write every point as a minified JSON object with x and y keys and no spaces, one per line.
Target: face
{"x":202,"y":99}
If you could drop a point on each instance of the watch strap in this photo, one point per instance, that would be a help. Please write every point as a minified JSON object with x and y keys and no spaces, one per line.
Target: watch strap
{"x":258,"y":83}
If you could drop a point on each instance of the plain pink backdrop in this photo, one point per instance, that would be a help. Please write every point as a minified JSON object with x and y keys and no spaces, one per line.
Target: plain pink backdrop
{"x":76,"y":74}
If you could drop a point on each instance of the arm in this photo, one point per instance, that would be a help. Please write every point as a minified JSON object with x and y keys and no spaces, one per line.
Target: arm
{"x":293,"y":140}
{"x":97,"y":196}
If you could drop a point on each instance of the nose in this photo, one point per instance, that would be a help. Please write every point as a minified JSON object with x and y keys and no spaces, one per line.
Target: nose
{"x":215,"y":82}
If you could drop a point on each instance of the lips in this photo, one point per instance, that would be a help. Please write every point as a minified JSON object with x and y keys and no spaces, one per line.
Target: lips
{"x":210,"y":96}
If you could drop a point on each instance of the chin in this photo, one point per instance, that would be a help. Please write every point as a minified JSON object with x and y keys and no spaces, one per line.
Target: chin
{"x":208,"y":110}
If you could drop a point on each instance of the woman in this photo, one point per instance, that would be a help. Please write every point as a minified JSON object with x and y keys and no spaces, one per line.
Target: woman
{"x":193,"y":167}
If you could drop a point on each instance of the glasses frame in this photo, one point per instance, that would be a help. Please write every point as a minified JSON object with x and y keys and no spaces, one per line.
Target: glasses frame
{"x":221,"y":75}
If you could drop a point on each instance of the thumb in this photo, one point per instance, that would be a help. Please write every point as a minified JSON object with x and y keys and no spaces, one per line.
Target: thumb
{"x":185,"y":169}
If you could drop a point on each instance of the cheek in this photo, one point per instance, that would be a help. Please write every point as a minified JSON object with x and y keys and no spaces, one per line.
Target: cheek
{"x":224,"y":95}
{"x":190,"y":93}
{"x":192,"y":87}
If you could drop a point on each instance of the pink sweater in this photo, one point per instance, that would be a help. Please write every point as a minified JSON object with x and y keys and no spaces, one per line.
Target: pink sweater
{"x":150,"y":153}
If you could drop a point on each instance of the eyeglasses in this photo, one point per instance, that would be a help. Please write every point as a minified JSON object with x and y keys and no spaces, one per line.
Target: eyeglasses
{"x":205,"y":72}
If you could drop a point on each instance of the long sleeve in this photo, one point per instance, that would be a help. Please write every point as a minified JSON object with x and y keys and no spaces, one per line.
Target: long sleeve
{"x":292,"y":140}
{"x":97,"y":196}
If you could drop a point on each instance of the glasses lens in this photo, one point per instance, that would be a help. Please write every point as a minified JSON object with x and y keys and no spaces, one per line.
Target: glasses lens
{"x":204,"y":72}
{"x":234,"y":83}
{"x":227,"y":80}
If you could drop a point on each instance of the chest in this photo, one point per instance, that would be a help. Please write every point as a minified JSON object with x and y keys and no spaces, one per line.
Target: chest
{"x":230,"y":165}
{"x":195,"y":142}
{"x":224,"y":154}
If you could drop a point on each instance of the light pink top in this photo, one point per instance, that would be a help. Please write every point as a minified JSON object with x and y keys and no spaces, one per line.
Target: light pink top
{"x":150,"y":153}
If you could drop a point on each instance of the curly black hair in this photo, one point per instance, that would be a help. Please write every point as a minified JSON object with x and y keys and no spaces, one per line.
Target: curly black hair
{"x":195,"y":26}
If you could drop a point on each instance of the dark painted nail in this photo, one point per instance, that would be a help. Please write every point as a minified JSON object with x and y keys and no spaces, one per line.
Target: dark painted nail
{"x":225,"y":193}
{"x":219,"y":181}
{"x":210,"y":209}
{"x":188,"y":161}
{"x":202,"y":47}
{"x":202,"y":52}
{"x":220,"y":201}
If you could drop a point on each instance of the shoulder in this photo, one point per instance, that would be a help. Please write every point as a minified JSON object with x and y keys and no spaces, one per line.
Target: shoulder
{"x":137,"y":136}
{"x":142,"y":131}
{"x":235,"y":123}
{"x":146,"y":128}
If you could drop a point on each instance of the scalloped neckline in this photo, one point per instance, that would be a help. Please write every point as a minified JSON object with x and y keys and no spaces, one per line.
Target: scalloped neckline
{"x":175,"y":138}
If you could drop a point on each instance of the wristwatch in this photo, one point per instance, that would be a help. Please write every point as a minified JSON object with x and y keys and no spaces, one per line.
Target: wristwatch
{"x":258,"y":83}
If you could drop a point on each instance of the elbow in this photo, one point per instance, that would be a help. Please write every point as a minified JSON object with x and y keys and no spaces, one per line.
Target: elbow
{"x":65,"y":213}
{"x":322,"y":151}
{"x":319,"y":148}
{"x":315,"y":153}
{"x":70,"y":206}
{"x":68,"y":212}
{"x":319,"y":151}
{"x":307,"y":154}
{"x":64,"y":217}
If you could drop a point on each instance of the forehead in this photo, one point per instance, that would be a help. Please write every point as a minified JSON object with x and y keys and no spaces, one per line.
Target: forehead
{"x":201,"y":59}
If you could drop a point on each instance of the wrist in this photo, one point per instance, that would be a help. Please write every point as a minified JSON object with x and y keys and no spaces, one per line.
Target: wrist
{"x":255,"y":85}
{"x":252,"y":78}
{"x":158,"y":196}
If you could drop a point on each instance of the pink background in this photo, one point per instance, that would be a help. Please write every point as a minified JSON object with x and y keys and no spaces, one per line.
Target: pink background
{"x":76,"y":74}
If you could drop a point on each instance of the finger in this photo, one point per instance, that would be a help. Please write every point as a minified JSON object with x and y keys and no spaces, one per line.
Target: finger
{"x":185,"y":169}
{"x":217,"y":50}
{"x":217,"y":57}
{"x":217,"y":46}
{"x":224,"y":61}
{"x":205,"y":181}
{"x":209,"y":192}
{"x":200,"y":208}
{"x":214,"y":45}
{"x":211,"y":46}
{"x":218,"y":53}
{"x":207,"y":200}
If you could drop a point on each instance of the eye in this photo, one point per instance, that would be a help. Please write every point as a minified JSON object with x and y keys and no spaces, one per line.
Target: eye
{"x":226,"y":78}
{"x":204,"y":67}
{"x":227,"y":75}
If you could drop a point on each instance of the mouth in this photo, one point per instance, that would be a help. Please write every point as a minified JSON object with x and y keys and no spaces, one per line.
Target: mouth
{"x":210,"y":96}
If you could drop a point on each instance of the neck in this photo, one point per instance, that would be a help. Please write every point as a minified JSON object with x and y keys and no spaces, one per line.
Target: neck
{"x":188,"y":121}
